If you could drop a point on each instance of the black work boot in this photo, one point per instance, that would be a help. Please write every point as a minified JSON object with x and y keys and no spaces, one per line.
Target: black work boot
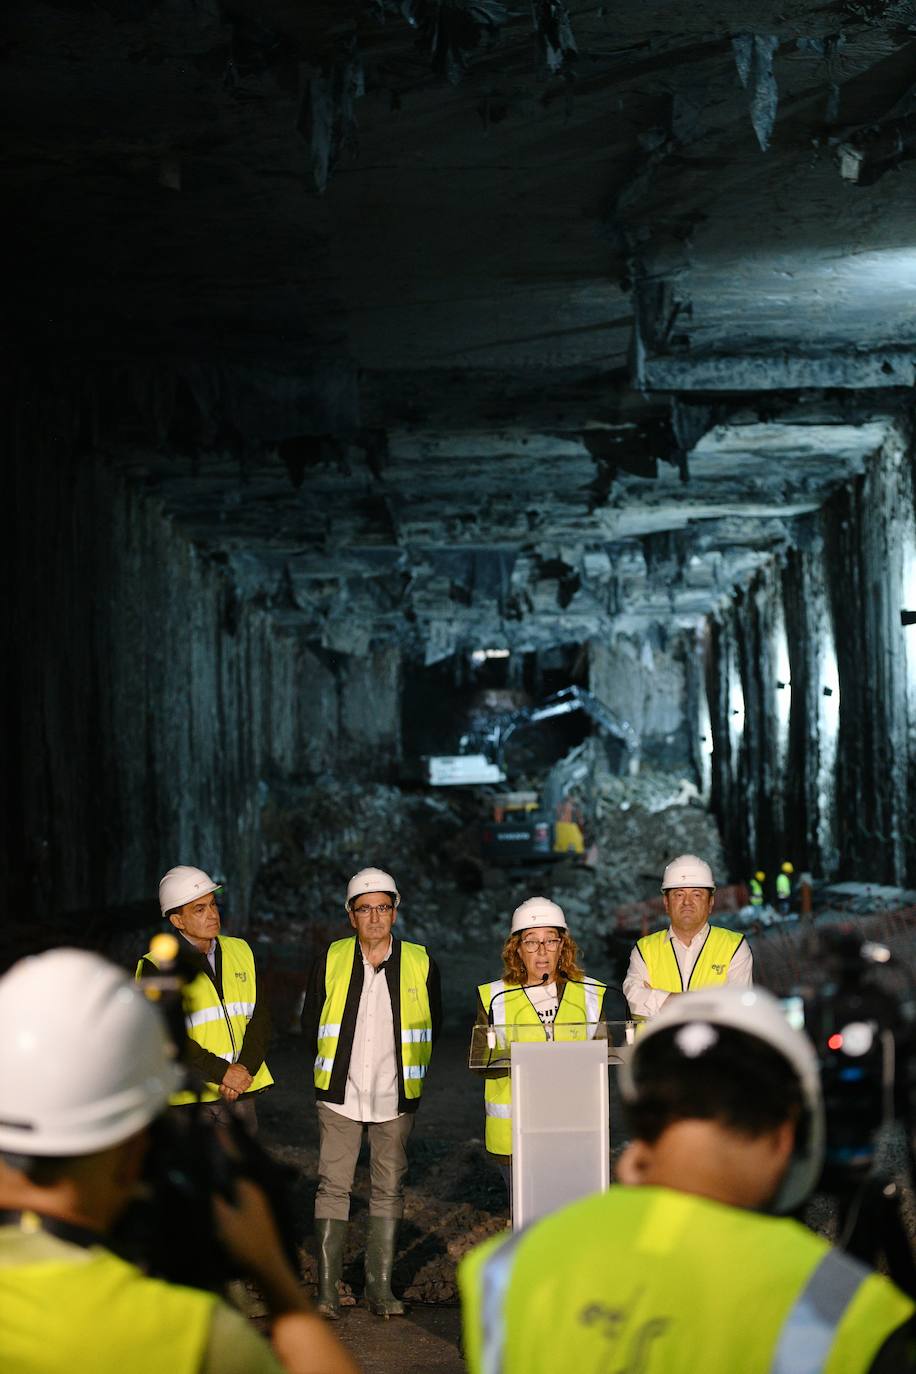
{"x":380,"y":1244}
{"x":330,"y":1234}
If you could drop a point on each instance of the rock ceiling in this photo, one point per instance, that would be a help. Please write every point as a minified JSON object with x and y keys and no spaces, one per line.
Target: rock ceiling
{"x":524,"y":318}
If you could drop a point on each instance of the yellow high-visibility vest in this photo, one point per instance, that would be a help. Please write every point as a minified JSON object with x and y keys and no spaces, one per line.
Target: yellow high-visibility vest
{"x":581,"y":1002}
{"x":635,"y":1279}
{"x":219,"y":1026}
{"x":416,"y":1016}
{"x":710,"y":969}
{"x":91,"y":1310}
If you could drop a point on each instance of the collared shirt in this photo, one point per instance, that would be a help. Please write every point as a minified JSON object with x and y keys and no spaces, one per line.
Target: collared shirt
{"x":372,"y":1080}
{"x":648,"y":1001}
{"x":209,"y":954}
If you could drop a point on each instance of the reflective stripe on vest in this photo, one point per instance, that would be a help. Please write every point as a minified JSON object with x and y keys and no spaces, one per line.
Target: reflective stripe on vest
{"x":511,"y":1007}
{"x":416,"y":1017}
{"x":495,"y":1281}
{"x":811,"y":1326}
{"x":710,"y":969}
{"x":200,"y":1018}
{"x":793,"y":1307}
{"x":219,"y":1027}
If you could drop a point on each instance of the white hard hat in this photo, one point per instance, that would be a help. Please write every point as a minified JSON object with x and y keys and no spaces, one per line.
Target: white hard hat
{"x":371,"y":880}
{"x":85,"y":1060}
{"x":183,"y":884}
{"x":757,"y":1013}
{"x":687,"y":871}
{"x":537,"y":911}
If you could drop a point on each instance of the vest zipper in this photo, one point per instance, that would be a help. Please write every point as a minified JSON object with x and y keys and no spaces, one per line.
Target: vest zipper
{"x":219,"y":993}
{"x":696,"y":961}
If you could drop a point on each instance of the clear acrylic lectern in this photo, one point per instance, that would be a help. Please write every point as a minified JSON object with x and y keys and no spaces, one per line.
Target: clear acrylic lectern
{"x":560,"y":1121}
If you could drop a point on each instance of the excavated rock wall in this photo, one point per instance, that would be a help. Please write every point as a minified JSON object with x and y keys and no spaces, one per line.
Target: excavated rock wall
{"x":810,"y":676}
{"x":648,"y":682}
{"x":147,"y":700}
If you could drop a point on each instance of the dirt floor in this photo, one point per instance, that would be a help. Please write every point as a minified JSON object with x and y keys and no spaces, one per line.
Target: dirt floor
{"x":455,"y":1197}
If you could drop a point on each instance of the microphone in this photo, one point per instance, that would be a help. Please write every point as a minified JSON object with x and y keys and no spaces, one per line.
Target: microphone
{"x":612,"y":987}
{"x":515,"y":987}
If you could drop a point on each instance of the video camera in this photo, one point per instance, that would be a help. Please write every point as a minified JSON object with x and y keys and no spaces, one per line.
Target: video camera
{"x":860,"y":1013}
{"x":171,"y":1231}
{"x":862,"y":1028}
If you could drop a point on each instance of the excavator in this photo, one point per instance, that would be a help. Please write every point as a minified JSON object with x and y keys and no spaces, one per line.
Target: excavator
{"x":523,"y":827}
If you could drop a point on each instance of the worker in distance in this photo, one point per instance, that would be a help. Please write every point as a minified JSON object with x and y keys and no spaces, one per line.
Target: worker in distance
{"x":86,"y":1070}
{"x":691,"y":953}
{"x":689,"y":1263}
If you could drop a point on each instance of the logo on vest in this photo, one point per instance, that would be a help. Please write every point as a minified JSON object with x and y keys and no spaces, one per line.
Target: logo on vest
{"x":717,"y":968}
{"x":242,"y":977}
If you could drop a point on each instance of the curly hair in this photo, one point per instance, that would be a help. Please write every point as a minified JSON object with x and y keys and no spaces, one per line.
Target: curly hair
{"x":514,"y":970}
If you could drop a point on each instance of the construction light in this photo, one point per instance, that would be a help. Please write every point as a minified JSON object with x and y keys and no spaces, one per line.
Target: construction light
{"x":481,"y":655}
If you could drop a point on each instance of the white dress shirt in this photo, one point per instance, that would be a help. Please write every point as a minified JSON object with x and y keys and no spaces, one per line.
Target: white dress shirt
{"x":645,"y":1001}
{"x":372,"y":1079}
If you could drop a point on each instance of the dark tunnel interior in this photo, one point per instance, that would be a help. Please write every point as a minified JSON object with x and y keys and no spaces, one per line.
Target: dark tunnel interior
{"x":377,"y":370}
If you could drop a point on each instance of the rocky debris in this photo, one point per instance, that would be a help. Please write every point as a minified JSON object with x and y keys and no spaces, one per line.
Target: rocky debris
{"x":315,"y":837}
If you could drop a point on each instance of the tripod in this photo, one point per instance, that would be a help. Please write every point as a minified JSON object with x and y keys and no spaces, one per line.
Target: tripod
{"x":871,"y":1226}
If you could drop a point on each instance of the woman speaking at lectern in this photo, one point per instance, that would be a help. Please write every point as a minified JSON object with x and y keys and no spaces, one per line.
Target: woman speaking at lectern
{"x":542,"y":993}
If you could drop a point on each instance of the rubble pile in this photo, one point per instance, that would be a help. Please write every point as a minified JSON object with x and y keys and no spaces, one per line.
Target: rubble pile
{"x":316,"y":836}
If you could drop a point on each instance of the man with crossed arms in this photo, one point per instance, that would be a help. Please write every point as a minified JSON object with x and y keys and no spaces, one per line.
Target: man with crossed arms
{"x":691,"y":953}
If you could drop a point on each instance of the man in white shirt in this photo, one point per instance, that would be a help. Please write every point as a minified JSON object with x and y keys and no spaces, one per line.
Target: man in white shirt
{"x":691,"y":953}
{"x":371,"y":1016}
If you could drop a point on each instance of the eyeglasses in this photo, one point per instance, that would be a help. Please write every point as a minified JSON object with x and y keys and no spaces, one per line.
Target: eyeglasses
{"x":532,"y":946}
{"x":383,"y":909}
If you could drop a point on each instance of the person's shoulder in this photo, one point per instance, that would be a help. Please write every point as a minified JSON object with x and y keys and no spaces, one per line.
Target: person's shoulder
{"x":234,"y":1347}
{"x":338,"y":943}
{"x":345,"y":945}
{"x":413,"y":945}
{"x":233,"y":942}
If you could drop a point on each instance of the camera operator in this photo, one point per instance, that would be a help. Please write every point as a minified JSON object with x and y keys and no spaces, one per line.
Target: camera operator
{"x":683,"y":1272}
{"x":85,"y":1070}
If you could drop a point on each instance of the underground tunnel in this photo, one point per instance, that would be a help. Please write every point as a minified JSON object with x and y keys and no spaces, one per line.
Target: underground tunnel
{"x":438,"y":425}
{"x":380,"y":370}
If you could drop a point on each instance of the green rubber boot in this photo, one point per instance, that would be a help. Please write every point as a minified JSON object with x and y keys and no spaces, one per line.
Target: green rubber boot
{"x":331,"y":1234}
{"x":380,"y":1246}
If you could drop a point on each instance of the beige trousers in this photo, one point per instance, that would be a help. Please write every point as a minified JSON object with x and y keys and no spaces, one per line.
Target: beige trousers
{"x":339,"y":1140}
